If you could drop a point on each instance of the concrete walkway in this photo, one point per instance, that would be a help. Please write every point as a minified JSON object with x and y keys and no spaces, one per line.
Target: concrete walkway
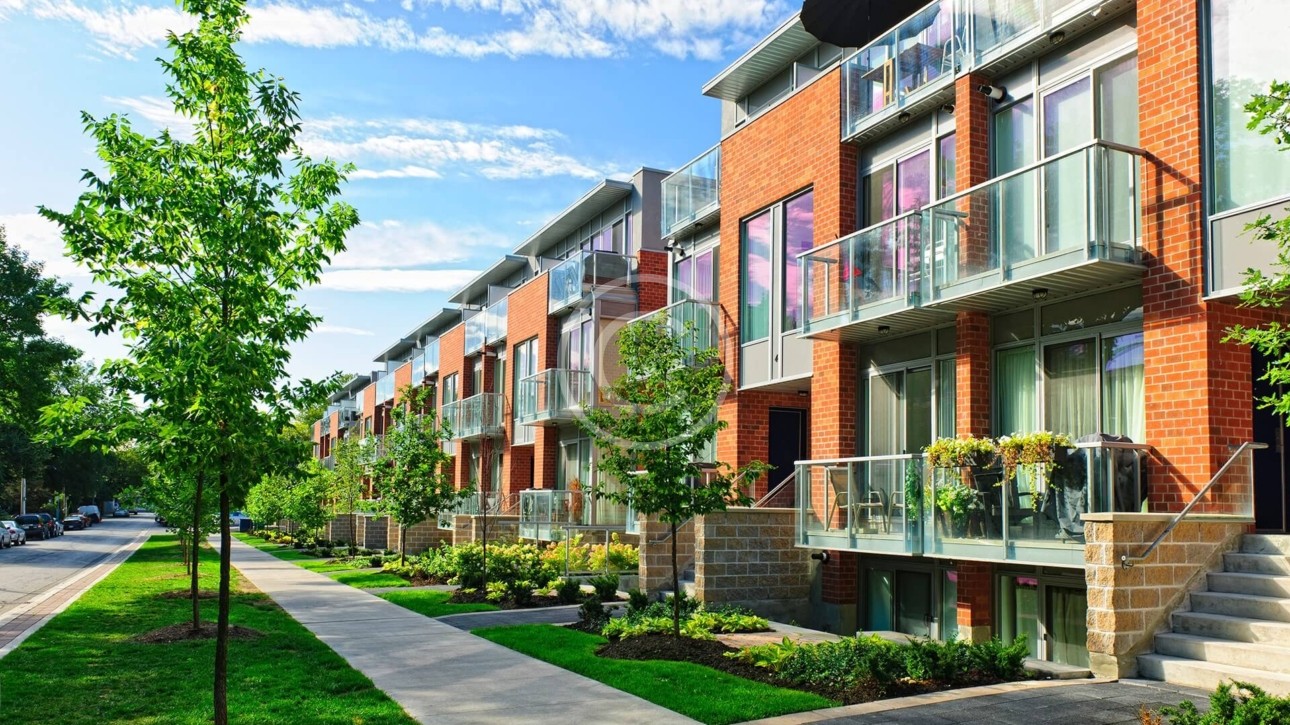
{"x":438,"y":673}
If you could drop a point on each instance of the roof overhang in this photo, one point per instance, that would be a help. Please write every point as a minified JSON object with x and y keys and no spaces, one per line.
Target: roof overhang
{"x":582,"y":211}
{"x":433,"y":325}
{"x":351,"y":386}
{"x":494,"y":275}
{"x":770,"y":56}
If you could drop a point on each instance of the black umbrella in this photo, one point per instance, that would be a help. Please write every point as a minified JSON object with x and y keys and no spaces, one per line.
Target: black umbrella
{"x":853,"y":23}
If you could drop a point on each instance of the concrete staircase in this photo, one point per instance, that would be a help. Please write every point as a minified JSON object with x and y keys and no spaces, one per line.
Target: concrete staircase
{"x":1237,"y":630}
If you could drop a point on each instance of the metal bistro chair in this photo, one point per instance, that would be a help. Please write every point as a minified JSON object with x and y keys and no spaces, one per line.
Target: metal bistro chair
{"x":870,"y":507}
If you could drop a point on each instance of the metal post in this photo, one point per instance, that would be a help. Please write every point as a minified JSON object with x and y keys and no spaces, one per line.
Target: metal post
{"x":22,"y":497}
{"x":606,"y":551}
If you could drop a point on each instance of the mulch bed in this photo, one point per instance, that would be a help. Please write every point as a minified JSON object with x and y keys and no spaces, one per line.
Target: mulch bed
{"x":184,"y":632}
{"x":711,"y":653}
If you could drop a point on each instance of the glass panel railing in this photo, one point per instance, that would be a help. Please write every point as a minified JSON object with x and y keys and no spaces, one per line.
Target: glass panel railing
{"x":698,"y":321}
{"x":922,"y":51}
{"x":546,"y":514}
{"x":693,"y":192}
{"x":999,"y":26}
{"x":1079,"y":206}
{"x":569,"y":281}
{"x":447,"y":520}
{"x":476,"y":332}
{"x":475,"y":417}
{"x":432,"y":357}
{"x":554,"y":394}
{"x":879,"y":264}
{"x":495,"y":321}
{"x":419,"y":368}
{"x":872,"y":503}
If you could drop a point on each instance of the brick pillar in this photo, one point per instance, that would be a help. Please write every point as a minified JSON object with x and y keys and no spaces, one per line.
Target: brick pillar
{"x":976,"y":600}
{"x":972,"y":374}
{"x":1197,"y":388}
{"x":972,"y":112}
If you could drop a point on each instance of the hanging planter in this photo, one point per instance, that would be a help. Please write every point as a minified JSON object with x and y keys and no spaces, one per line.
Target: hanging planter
{"x":1038,"y":454}
{"x":963,"y":452}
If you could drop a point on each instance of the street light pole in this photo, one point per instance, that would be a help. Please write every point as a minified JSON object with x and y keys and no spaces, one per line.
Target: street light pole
{"x":22,"y":497}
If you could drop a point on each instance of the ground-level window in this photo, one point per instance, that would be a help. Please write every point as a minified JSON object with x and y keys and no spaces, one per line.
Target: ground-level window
{"x":1049,"y":611}
{"x":919,"y":600}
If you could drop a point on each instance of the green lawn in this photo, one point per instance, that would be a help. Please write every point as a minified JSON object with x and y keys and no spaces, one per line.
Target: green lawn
{"x":692,"y":690}
{"x":82,"y":667}
{"x":432,"y":603}
{"x":295,"y":556}
{"x":371,"y":579}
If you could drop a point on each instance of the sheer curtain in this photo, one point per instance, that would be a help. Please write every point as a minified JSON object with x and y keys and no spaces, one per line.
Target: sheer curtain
{"x":1015,"y":384}
{"x":1123,"y":400}
{"x":1070,"y":388}
{"x":1067,"y":612}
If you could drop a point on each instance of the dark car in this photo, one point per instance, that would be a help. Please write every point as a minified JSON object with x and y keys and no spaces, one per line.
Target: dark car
{"x":51,"y":526}
{"x":33,"y":526}
{"x":75,"y":522}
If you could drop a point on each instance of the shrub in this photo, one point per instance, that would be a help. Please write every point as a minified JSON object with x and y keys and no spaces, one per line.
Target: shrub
{"x":1238,"y":702}
{"x":588,"y":557}
{"x":592,"y":616}
{"x":697,"y":622}
{"x":568,"y":591}
{"x":606,"y":587}
{"x":376,"y":561}
{"x":637,"y":599}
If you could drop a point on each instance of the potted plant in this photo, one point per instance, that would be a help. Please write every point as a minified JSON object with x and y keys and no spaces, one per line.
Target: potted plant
{"x":1038,"y":454}
{"x":967,"y":451}
{"x":954,"y":501}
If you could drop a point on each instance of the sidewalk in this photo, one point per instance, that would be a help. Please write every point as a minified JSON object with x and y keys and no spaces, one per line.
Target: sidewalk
{"x":438,"y":673}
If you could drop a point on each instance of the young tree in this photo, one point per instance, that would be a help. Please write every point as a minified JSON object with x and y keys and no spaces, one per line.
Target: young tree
{"x":1270,"y":291}
{"x":347,"y":481}
{"x":413,"y":473}
{"x":654,"y":441}
{"x":207,"y":241}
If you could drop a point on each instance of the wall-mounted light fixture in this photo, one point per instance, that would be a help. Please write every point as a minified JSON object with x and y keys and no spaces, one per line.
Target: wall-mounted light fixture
{"x":884,"y":330}
{"x":1056,"y":37}
{"x":996,"y":93}
{"x":1039,"y":294}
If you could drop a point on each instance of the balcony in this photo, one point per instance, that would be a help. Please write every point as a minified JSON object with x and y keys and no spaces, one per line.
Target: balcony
{"x":329,"y":462}
{"x":426,"y":363}
{"x":693,"y":194}
{"x":572,"y":281}
{"x":697,"y":322}
{"x":479,"y":416}
{"x":487,"y":327}
{"x":896,"y":505}
{"x":385,"y":389}
{"x":1065,"y":225}
{"x":903,"y":67}
{"x":554,"y":396}
{"x":546,"y":514}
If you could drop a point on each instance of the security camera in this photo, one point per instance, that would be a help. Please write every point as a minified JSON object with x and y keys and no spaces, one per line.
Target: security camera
{"x":997,"y":93}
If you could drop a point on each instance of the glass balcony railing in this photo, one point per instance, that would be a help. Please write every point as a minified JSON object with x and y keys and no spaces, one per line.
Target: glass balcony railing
{"x":576,"y":277}
{"x":1077,"y":207}
{"x":898,"y":505}
{"x":479,"y":416}
{"x":476,"y":333}
{"x":864,"y":275}
{"x":998,"y":26}
{"x":697,"y":321}
{"x":329,"y":462}
{"x":553,"y":395}
{"x":487,"y":327}
{"x":692,"y":193}
{"x":385,"y":389}
{"x":546,"y":514}
{"x":922,"y":52}
{"x":430,"y":359}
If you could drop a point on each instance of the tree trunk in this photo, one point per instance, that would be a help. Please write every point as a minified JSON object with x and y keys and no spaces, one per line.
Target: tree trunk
{"x":192,"y":568}
{"x":403,"y":544}
{"x":221,"y":631}
{"x":676,"y":589}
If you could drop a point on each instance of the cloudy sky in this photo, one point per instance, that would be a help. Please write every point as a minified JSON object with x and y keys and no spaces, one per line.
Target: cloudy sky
{"x":471,"y":123}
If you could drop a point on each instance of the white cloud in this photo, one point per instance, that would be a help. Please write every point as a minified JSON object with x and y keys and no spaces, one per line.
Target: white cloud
{"x":396,"y":280}
{"x":556,"y":28}
{"x":407,"y":172}
{"x":393,"y":244}
{"x":325,"y":329}
{"x":160,"y":112}
{"x":43,"y":242}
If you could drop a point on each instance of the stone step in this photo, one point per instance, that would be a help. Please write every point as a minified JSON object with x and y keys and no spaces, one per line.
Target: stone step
{"x":1266,"y":544}
{"x":1208,"y":675}
{"x":1242,"y":605}
{"x":1263,"y":657}
{"x":1237,"y":629}
{"x":1264,"y":585}
{"x":1256,"y":563}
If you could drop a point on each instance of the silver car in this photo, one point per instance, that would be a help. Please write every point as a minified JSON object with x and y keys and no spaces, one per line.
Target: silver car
{"x":11,"y":533}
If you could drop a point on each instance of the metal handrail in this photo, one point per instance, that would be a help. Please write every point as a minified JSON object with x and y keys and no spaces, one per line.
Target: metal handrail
{"x":770,"y":495}
{"x":1126,"y":561}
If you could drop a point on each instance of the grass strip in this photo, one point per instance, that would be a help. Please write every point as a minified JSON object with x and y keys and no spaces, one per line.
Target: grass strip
{"x":295,"y":556}
{"x":371,"y":579}
{"x":83,"y":667}
{"x":693,"y":690}
{"x":432,"y":603}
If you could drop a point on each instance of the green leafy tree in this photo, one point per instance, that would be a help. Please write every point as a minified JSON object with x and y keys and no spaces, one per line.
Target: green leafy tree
{"x":350,"y":466}
{"x":655,"y":439}
{"x":1270,"y":290}
{"x":413,"y":474}
{"x":207,"y":242}
{"x":266,"y":502}
{"x":306,"y":502}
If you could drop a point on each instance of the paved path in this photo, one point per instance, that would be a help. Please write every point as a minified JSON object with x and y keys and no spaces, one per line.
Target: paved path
{"x":438,"y":673}
{"x":1018,"y":703}
{"x":21,"y":616}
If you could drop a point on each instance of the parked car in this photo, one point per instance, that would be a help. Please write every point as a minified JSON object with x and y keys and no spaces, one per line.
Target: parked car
{"x":16,"y":534}
{"x":91,"y":512}
{"x":7,"y":536}
{"x":159,"y":519}
{"x":120,"y":514}
{"x":51,"y":526}
{"x":32,"y":526}
{"x":75,"y":522}
{"x":132,"y":511}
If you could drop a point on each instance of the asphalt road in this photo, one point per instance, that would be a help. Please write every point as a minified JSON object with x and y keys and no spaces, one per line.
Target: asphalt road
{"x":26,"y":571}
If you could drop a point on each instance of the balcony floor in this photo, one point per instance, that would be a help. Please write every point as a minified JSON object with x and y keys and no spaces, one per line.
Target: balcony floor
{"x":987,"y":293}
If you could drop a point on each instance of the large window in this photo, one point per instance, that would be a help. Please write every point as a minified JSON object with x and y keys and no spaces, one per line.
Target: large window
{"x":771,"y":241}
{"x":577,"y":344}
{"x":525,"y":396}
{"x":694,"y":276}
{"x":799,"y":231}
{"x":1246,"y":39}
{"x":755,"y":245}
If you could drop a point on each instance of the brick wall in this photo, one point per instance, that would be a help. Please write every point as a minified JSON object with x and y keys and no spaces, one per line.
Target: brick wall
{"x":746,"y":556}
{"x":975,"y":600}
{"x":373,"y":532}
{"x":656,"y":553}
{"x":402,"y":379}
{"x":341,"y":528}
{"x":501,"y":529}
{"x":972,"y":374}
{"x":652,"y":269}
{"x":420,"y":537}
{"x":526,"y":318}
{"x":1127,"y":606}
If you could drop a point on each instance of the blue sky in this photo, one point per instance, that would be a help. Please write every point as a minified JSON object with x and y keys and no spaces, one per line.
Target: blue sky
{"x":472,"y":122}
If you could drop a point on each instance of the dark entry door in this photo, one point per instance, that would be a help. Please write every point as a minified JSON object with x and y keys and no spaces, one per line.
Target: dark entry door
{"x":1271,"y":504}
{"x":787,"y":443}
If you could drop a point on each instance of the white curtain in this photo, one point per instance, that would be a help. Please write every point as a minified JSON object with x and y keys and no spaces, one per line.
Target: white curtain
{"x":1015,"y":390}
{"x":1070,"y":388}
{"x":1123,"y":400}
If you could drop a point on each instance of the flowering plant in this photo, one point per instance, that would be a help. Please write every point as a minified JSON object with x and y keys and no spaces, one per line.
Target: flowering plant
{"x":960,"y":452}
